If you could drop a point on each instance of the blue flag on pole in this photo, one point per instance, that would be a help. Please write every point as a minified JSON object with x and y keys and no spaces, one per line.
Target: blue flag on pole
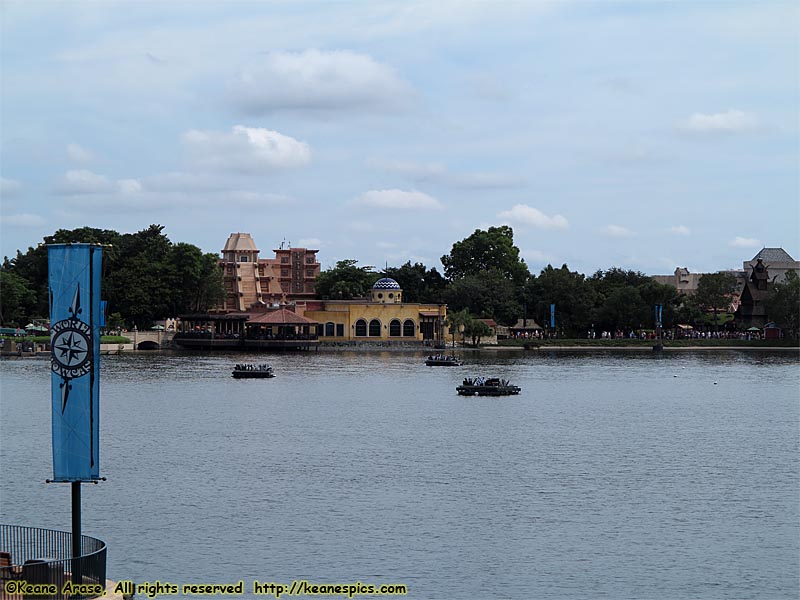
{"x":552,"y":316}
{"x":74,"y":279}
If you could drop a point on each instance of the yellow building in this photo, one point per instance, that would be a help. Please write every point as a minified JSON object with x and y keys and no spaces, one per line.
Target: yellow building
{"x":384,"y":317}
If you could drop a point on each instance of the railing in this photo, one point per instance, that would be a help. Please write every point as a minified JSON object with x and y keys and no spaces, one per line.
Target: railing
{"x":42,"y":558}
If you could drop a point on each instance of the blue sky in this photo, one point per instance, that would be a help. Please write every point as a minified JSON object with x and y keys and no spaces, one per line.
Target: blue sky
{"x":645,"y":135}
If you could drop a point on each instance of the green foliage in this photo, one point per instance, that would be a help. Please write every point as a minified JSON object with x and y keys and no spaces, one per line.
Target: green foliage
{"x":461,"y":321}
{"x":419,"y":283}
{"x":476,"y":330}
{"x":346,"y":281}
{"x":569,"y":291}
{"x":783,"y":303}
{"x":17,"y":299}
{"x":195,"y":278}
{"x":491,"y":250}
{"x":488,"y":295}
{"x":626,"y":300}
{"x":715,"y":292}
{"x":145,"y":276}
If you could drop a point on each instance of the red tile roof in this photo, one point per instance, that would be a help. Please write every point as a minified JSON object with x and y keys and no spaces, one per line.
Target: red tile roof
{"x":281,"y":317}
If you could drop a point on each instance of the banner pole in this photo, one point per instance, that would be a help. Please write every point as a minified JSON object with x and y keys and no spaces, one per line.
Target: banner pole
{"x":77,"y":576}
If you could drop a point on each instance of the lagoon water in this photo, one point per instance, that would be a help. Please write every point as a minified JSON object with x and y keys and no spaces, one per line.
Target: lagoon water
{"x":612,"y":475}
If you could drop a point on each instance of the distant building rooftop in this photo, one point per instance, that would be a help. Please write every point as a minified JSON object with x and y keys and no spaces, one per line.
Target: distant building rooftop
{"x":238,"y":242}
{"x":773,"y":255}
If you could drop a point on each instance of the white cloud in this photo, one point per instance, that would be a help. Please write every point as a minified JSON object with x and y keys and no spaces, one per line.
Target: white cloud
{"x":312,"y":243}
{"x":522,"y":214}
{"x":743,"y":242}
{"x":397,"y":199}
{"x":24,"y":220}
{"x":245,"y":149}
{"x":85,"y":182}
{"x":679,"y":230}
{"x":317,"y":80}
{"x":78,"y":154}
{"x":9,"y":187}
{"x":731,"y":121}
{"x":617,"y":231}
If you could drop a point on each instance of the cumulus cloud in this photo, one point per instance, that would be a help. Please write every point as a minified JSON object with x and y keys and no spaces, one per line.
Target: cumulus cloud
{"x":743,"y":242}
{"x":83,"y":181}
{"x":679,"y":230}
{"x":522,"y":214}
{"x":78,"y":154}
{"x":9,"y":187}
{"x":731,"y":121}
{"x":397,"y":200}
{"x":617,"y":231}
{"x":317,"y":80}
{"x":245,"y":149}
{"x":24,"y":220}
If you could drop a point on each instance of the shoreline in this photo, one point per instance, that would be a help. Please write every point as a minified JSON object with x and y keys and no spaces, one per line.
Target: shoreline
{"x":366,"y":348}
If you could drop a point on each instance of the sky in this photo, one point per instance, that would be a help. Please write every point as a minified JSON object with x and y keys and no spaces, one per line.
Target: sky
{"x":644,"y":135}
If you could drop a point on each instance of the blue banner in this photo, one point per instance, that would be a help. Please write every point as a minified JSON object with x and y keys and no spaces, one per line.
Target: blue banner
{"x":74,"y":279}
{"x":552,"y":316}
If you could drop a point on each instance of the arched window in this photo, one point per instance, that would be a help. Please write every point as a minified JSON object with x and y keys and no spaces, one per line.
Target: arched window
{"x":409,"y":329}
{"x":374,"y":328}
{"x":394,"y":328}
{"x":330,"y":329}
{"x":361,"y":328}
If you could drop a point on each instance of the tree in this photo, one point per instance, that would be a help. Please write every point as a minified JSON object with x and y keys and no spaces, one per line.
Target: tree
{"x":196,"y":279}
{"x":491,"y":250}
{"x":476,"y":330}
{"x":626,"y":299}
{"x":457,"y":321}
{"x":488,"y":295}
{"x":419,"y":283}
{"x":345,"y":281}
{"x":17,"y":299}
{"x":623,"y":309}
{"x":569,"y":291}
{"x":715,"y":292}
{"x":783,"y":303}
{"x":461,"y":321}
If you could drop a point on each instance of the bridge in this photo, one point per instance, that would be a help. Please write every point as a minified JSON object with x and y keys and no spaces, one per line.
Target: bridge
{"x":150,"y":340}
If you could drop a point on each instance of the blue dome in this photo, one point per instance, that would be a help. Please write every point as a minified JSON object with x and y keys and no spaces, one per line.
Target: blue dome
{"x":386,"y":284}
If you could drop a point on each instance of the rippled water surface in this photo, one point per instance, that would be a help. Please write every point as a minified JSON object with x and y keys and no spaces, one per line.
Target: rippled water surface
{"x":610,"y":476}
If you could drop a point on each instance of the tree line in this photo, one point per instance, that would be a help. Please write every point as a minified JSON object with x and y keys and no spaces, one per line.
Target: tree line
{"x":484,"y":277}
{"x":147,"y":277}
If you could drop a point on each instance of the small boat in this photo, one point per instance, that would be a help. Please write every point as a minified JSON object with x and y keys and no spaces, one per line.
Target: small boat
{"x":262,"y":371}
{"x":481,"y":386}
{"x":443,"y":360}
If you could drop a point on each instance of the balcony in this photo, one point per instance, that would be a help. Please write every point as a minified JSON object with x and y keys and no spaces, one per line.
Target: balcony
{"x":42,"y":558}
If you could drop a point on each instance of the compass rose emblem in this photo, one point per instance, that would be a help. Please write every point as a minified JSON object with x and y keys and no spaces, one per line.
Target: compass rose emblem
{"x":71,"y":344}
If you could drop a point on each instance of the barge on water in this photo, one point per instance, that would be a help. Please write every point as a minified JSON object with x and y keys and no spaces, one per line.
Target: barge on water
{"x":262,"y":371}
{"x":493,"y":386}
{"x":443,"y":360}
